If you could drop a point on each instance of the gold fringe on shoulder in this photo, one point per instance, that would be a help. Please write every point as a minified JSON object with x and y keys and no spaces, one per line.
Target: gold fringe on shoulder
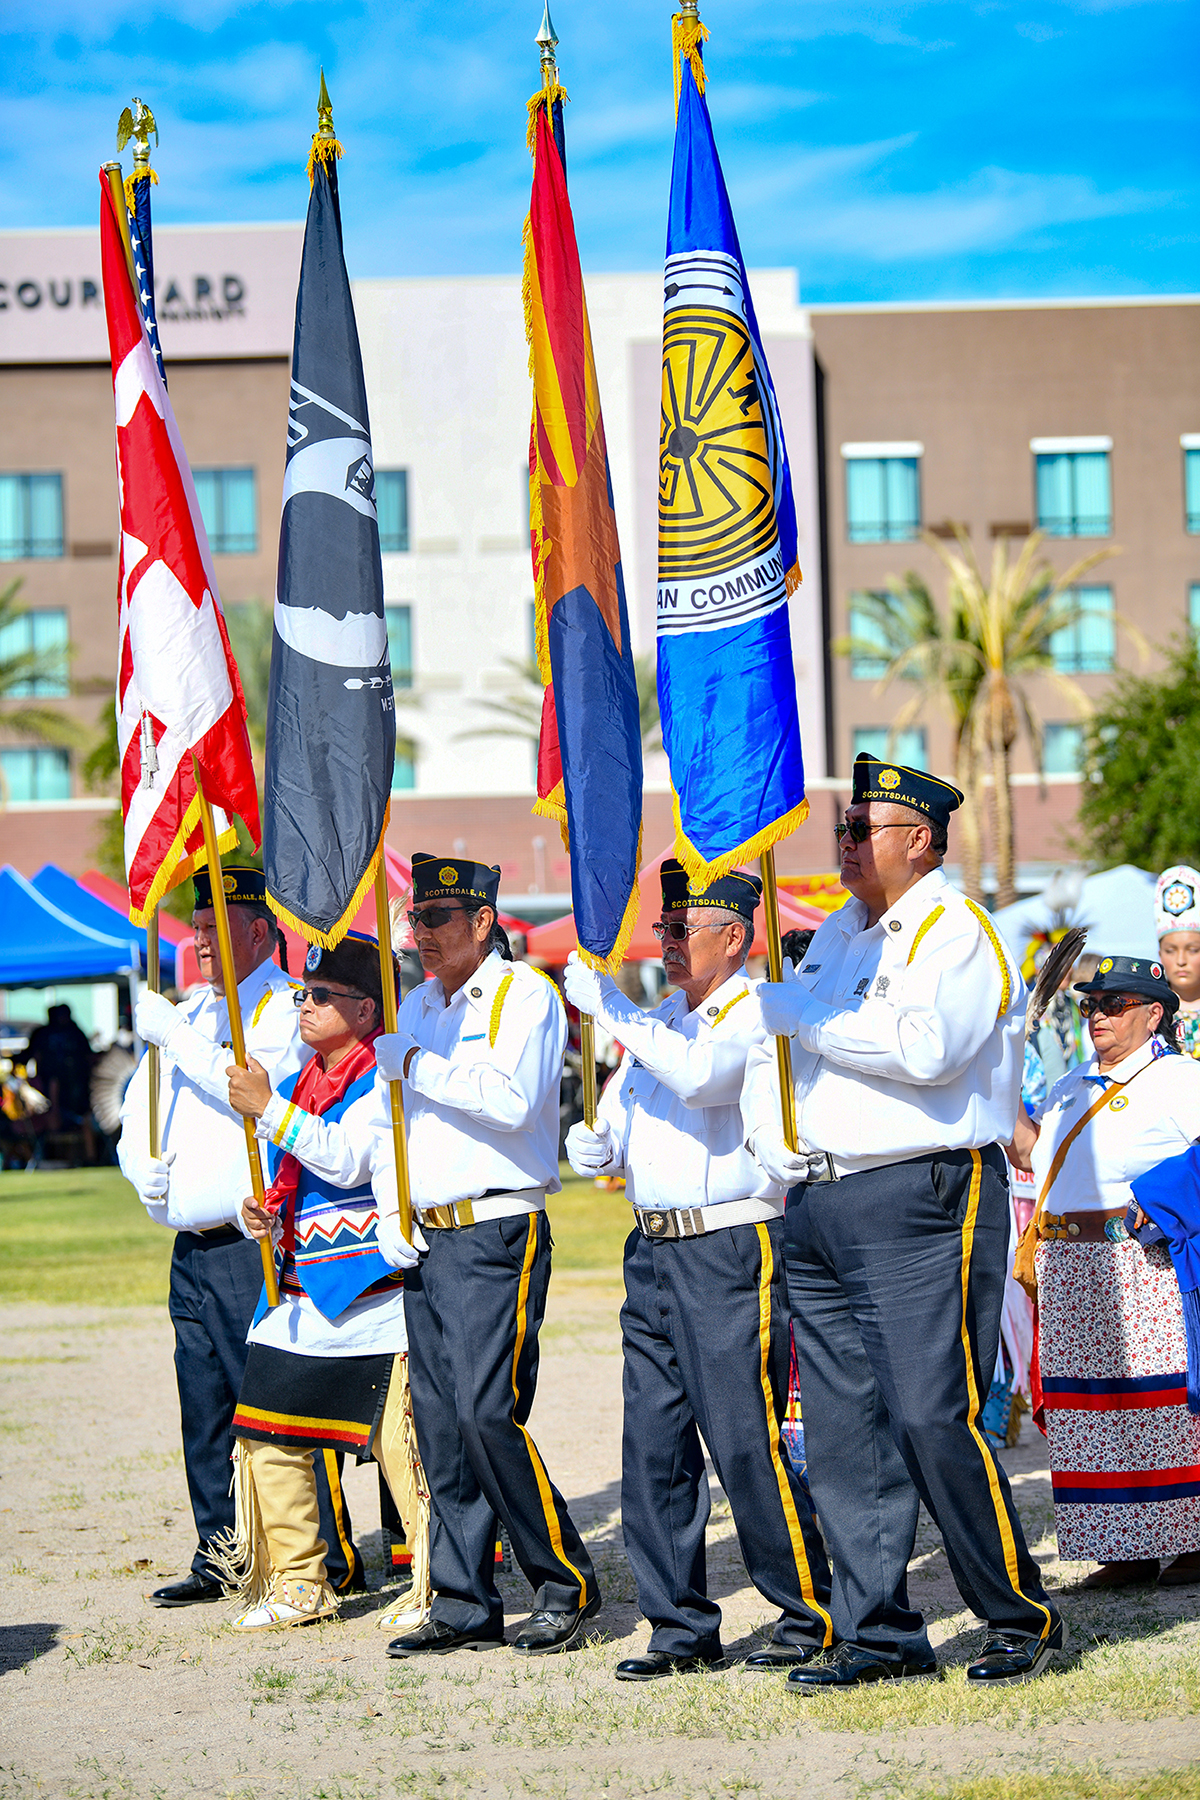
{"x":241,"y":1556}
{"x":329,"y":940}
{"x":324,"y":150}
{"x":754,"y":847}
{"x":546,"y":98}
{"x":687,"y":35}
{"x":131,"y":185}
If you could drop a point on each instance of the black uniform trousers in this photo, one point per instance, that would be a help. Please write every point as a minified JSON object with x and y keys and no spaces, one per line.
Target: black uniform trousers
{"x":704,"y":1334}
{"x":896,"y":1278}
{"x":474,"y":1308}
{"x":216,"y":1279}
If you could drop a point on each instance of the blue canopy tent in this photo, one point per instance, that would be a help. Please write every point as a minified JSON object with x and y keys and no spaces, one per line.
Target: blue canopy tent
{"x":41,"y":944}
{"x":55,"y":885}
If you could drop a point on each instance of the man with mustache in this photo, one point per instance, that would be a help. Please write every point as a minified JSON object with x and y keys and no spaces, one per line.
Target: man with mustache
{"x":704,"y":1325}
{"x":907,"y":1028}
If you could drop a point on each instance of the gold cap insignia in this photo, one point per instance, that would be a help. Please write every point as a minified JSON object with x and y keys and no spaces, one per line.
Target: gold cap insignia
{"x":889,"y":779}
{"x":448,"y":876}
{"x":229,"y":883}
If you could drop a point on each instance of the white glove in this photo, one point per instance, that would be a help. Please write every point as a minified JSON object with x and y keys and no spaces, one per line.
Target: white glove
{"x":584,"y":986}
{"x":390,"y":1053}
{"x":589,"y":1150}
{"x":782,"y":1005}
{"x":154,"y":1018}
{"x":154,"y":1176}
{"x":392,"y":1245}
{"x":772,"y":1155}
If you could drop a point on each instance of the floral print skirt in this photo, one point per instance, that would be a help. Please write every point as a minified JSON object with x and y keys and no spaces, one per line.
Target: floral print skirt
{"x":1124,"y":1449}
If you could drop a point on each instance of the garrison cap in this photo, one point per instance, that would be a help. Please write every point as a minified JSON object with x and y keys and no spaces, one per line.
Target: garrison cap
{"x":449,"y":877}
{"x":1131,"y":975}
{"x":875,"y":779}
{"x":738,"y":892}
{"x":243,"y":887}
{"x":353,"y":963}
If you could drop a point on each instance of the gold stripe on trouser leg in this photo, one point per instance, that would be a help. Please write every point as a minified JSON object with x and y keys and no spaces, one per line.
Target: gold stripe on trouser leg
{"x":287,"y":1502}
{"x":799,"y":1554}
{"x":539,"y":1469}
{"x":396,"y":1452}
{"x":1003,"y":1524}
{"x":334,"y":1478}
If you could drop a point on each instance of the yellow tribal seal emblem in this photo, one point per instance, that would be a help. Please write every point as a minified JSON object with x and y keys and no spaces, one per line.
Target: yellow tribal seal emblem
{"x":1116,"y":1105}
{"x":448,"y":876}
{"x":889,"y":779}
{"x":1106,"y":965}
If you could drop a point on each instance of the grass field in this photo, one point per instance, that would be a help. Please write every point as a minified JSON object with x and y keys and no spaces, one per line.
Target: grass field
{"x":81,"y":1236}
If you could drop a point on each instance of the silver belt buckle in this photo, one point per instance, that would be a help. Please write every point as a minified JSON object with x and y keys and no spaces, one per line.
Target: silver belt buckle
{"x":821,"y":1169}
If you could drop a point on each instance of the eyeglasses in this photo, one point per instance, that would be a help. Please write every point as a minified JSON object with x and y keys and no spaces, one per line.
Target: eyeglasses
{"x":678,"y":932}
{"x":1110,"y":1006}
{"x":859,"y":830}
{"x":322,"y":995}
{"x":431,"y":917}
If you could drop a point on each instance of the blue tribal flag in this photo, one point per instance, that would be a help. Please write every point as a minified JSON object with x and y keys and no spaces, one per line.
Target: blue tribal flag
{"x":727,"y":556}
{"x":331,"y":713}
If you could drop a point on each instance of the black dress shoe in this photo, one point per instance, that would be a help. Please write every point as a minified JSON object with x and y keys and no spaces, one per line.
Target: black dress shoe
{"x":189,"y":1592}
{"x":782,"y":1656}
{"x":660,"y":1662}
{"x":849,"y":1666}
{"x":1009,"y":1656}
{"x":546,"y":1632}
{"x":435,"y":1639}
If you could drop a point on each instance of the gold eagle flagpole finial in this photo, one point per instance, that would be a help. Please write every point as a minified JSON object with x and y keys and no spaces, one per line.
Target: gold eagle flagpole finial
{"x":325,"y":146}
{"x":136,"y":123}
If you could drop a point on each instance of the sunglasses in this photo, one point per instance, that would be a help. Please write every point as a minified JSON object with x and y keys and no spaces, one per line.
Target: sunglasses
{"x":859,"y":830}
{"x":678,"y":932}
{"x":322,"y":995}
{"x":431,"y":917}
{"x":1110,"y":1006}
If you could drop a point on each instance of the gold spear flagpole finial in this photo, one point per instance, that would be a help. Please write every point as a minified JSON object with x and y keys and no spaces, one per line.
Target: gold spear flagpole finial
{"x":325,"y":146}
{"x":550,"y":92}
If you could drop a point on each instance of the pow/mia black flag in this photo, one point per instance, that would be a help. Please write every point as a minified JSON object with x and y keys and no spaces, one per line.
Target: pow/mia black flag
{"x":331,"y":719}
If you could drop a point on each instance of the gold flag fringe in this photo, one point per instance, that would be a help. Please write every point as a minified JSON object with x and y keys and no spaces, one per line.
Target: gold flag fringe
{"x":792,"y":579}
{"x":131,"y":185}
{"x":325,"y":150}
{"x":241,"y":1556}
{"x":329,"y":940}
{"x":706,"y":872}
{"x":547,"y":98}
{"x":687,"y":35}
{"x":178,"y":865}
{"x":611,"y":963}
{"x":541,"y":545}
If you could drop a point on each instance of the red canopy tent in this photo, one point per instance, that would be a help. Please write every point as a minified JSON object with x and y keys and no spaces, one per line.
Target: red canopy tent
{"x":553,"y":943}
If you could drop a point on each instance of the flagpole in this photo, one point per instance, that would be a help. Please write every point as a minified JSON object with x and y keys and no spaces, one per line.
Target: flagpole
{"x":387,"y":971}
{"x":236,"y":1034}
{"x":783,"y":1051}
{"x":117,"y":189}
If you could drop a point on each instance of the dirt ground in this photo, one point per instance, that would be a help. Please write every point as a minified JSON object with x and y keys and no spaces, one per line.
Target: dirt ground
{"x":102,"y":1695}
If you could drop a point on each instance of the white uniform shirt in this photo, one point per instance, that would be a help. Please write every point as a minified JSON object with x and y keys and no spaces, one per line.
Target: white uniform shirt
{"x":210,"y":1176}
{"x":673,"y":1103}
{"x":482,"y":1096}
{"x":912,"y":1037}
{"x":1156,"y":1116}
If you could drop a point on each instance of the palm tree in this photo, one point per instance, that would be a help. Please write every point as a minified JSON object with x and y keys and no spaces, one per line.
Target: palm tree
{"x":21,"y":669}
{"x":519,"y":713}
{"x":976,"y":658}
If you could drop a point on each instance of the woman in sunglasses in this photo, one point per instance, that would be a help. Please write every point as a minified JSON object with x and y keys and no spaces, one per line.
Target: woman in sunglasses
{"x":1124,"y":1449}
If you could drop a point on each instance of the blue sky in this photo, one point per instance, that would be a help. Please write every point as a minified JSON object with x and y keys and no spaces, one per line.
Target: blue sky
{"x":905,"y":149}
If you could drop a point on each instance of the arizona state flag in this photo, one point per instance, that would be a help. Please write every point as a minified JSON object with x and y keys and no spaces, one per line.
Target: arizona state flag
{"x":331,"y":717}
{"x":726,"y":526}
{"x":178,"y":692}
{"x":590,"y":751}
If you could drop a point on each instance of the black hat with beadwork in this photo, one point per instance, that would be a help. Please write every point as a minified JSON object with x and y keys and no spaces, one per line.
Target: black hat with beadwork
{"x":450,"y":877}
{"x":1131,"y":975}
{"x":243,"y":887}
{"x":875,"y":779}
{"x":736,"y":892}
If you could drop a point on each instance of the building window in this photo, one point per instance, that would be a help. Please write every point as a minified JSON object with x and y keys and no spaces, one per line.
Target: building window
{"x":866,"y":631}
{"x":1191,"y":481}
{"x":391,"y":503}
{"x":36,"y":774}
{"x":883,"y":492}
{"x":404,"y":771}
{"x":42,"y":633}
{"x":1194,"y":608}
{"x":1074,"y":486}
{"x":31,"y":517}
{"x":907,"y":747}
{"x":400,"y":646}
{"x":229,"y":508}
{"x":1062,"y":749}
{"x":1087,"y":646}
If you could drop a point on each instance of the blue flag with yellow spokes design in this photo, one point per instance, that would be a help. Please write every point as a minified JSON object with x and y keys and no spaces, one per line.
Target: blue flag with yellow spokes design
{"x":727,"y":529}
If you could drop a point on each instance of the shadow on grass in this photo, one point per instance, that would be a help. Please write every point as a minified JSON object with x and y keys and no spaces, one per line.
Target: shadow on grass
{"x":22,"y":1644}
